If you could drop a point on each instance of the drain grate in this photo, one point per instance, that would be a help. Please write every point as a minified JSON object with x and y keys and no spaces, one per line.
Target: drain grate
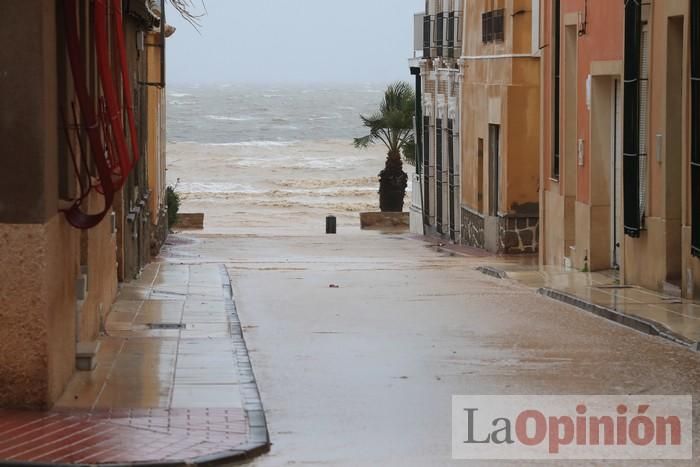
{"x":167,"y":325}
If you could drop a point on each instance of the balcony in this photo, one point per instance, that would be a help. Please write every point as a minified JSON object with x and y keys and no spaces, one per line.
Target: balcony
{"x":439,"y":35}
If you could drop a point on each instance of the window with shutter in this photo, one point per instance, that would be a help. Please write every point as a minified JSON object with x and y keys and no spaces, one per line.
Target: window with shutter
{"x":426,"y":167}
{"x":451,"y":177}
{"x":486,"y":27}
{"x":439,"y":32}
{"x":695,"y":124}
{"x":498,"y":26}
{"x":426,"y":36}
{"x":631,"y":143}
{"x":438,"y":174}
{"x":493,"y":26}
{"x":451,"y":35}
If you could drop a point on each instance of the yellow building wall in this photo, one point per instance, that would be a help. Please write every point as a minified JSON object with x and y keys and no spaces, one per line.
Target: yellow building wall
{"x":156,"y":143}
{"x":505,"y":91}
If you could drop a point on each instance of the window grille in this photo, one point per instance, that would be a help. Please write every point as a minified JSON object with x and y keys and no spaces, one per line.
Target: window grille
{"x":493,"y":26}
{"x":498,"y":25}
{"x":486,"y":33}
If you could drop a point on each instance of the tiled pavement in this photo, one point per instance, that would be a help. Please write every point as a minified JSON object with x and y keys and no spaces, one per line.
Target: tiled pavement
{"x":173,"y":383}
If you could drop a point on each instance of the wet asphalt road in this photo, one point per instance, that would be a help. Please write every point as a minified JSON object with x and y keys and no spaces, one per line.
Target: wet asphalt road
{"x":363,"y":374}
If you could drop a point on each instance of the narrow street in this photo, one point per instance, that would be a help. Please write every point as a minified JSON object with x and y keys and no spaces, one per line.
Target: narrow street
{"x":363,"y":374}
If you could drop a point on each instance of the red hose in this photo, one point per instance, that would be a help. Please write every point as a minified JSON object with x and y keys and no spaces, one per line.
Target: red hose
{"x":128,"y":98}
{"x":109,"y":88}
{"x":74,"y":215}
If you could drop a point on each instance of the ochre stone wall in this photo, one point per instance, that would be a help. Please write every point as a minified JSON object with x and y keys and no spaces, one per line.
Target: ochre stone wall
{"x":37,"y":309}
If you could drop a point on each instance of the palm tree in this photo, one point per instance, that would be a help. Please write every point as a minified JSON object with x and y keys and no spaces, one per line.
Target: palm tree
{"x":392,"y":124}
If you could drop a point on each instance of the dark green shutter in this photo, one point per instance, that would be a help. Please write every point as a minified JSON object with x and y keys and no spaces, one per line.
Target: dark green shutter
{"x":695,"y":124}
{"x":631,"y":141}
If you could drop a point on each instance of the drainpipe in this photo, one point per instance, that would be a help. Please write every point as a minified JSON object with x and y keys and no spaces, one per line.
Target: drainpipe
{"x":162,"y":43}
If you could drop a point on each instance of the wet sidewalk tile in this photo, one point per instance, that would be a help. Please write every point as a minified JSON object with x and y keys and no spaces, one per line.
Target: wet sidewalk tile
{"x":672,"y":317}
{"x":167,"y":385}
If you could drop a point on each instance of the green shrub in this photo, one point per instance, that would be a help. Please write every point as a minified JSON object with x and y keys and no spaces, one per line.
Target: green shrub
{"x":173,"y":199}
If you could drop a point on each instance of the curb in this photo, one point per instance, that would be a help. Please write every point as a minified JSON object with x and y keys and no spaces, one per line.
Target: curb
{"x":493,"y":272}
{"x":637,"y":323}
{"x":259,"y":437}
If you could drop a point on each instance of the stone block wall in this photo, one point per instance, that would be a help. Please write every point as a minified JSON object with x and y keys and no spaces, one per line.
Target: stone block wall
{"x":518,"y":235}
{"x":472,"y":229}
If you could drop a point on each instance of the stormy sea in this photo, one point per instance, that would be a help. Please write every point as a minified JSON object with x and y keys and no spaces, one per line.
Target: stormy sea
{"x":273,"y":158}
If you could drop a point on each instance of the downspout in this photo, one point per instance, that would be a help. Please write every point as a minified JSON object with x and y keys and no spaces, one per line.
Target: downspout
{"x":162,"y":43}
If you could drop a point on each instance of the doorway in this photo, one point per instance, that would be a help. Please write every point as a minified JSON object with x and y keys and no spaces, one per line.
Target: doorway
{"x":494,"y":168}
{"x":618,"y":225}
{"x":673,"y":159}
{"x":570,"y":131}
{"x":605,"y":227}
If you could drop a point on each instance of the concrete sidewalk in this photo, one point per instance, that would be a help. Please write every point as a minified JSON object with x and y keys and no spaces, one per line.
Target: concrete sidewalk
{"x":173,"y":383}
{"x":601,"y":293}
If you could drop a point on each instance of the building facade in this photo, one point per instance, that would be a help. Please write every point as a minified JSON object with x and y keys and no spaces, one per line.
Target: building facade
{"x":582,"y":85}
{"x":661,"y":146}
{"x":436,"y":189}
{"x":500,"y":126}
{"x":66,"y":177}
{"x":621,"y":140}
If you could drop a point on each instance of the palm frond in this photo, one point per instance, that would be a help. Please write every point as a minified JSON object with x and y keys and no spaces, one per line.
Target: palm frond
{"x":392,"y":124}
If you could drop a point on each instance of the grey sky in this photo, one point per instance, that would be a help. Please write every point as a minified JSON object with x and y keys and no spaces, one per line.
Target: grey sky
{"x":294,"y":41}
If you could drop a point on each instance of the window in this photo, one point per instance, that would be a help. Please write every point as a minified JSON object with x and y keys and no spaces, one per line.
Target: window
{"x":480,"y":174}
{"x":494,"y":168}
{"x":486,"y":27}
{"x":438,"y":174}
{"x":426,"y":36}
{"x":451,"y":22}
{"x":556,"y":90}
{"x":426,"y":168}
{"x":695,"y":122}
{"x":636,"y":108}
{"x":451,"y":177}
{"x":493,"y":26}
{"x":439,"y":32}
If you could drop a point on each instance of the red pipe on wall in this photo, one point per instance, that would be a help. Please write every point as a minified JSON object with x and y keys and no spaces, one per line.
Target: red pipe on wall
{"x":128,"y":98}
{"x":109,"y":89}
{"x":75,"y":216}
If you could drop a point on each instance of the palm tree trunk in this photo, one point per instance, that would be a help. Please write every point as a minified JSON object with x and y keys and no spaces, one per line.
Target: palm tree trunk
{"x":392,"y":184}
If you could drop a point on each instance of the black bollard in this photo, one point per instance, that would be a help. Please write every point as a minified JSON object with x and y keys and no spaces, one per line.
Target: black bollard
{"x":330,"y":224}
